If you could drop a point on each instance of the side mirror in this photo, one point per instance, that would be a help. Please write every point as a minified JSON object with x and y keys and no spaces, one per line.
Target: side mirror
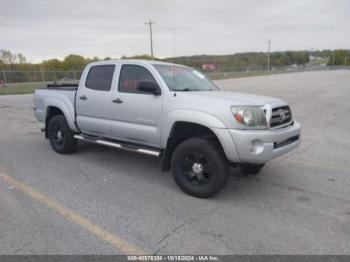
{"x":148,"y":87}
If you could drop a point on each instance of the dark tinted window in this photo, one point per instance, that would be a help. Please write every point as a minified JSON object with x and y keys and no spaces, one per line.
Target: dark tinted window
{"x":100,"y":77}
{"x":130,"y":75}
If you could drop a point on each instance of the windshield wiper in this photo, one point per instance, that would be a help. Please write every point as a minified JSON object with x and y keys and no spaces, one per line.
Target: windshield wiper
{"x":188,"y":89}
{"x":185,"y":89}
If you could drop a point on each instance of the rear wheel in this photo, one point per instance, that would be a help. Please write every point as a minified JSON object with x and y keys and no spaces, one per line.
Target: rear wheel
{"x":200,"y":167}
{"x":60,"y":136}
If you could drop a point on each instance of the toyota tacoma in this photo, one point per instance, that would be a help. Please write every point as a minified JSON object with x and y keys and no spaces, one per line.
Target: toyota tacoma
{"x":169,"y":111}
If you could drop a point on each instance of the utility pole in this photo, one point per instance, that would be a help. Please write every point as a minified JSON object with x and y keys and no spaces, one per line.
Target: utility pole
{"x":332,"y":60}
{"x":150,"y":23}
{"x":174,"y":32}
{"x":268,"y":55}
{"x":4,"y":76}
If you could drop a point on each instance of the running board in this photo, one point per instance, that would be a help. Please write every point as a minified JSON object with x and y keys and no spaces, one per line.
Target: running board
{"x":124,"y":146}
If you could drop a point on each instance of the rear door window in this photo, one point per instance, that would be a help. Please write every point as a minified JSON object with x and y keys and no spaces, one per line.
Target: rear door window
{"x":100,"y":77}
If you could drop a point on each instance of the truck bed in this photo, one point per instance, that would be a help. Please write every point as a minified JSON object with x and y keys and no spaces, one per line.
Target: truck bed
{"x":64,"y":94}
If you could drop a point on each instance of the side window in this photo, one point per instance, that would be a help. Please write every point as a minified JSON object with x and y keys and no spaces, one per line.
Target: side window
{"x":130,"y":75}
{"x":100,"y":77}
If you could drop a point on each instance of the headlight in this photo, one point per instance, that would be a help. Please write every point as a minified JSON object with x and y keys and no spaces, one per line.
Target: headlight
{"x":250,"y":116}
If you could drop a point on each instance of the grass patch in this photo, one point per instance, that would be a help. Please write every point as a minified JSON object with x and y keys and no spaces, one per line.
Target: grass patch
{"x":20,"y":88}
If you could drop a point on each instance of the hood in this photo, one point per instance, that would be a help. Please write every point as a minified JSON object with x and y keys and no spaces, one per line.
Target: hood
{"x":231,"y":98}
{"x":218,"y":103}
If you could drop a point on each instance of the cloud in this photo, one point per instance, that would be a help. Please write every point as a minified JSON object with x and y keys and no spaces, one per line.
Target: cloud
{"x":46,"y":28}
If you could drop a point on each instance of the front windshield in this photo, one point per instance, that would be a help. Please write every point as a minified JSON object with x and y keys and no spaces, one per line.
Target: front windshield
{"x":180,"y":78}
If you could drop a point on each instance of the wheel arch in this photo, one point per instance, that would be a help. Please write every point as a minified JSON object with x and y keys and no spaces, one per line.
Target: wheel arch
{"x":56,"y":107}
{"x":181,"y":131}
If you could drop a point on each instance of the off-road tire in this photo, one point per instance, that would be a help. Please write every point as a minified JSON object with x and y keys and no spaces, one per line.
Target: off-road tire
{"x":64,"y":143}
{"x":206,"y":153}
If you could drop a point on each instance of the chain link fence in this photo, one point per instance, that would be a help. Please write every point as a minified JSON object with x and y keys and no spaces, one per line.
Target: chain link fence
{"x":11,"y":77}
{"x":16,"y":82}
{"x":227,"y":74}
{"x":21,"y":82}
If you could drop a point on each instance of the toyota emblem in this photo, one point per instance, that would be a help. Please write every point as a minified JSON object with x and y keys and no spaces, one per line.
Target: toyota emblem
{"x":281,"y":115}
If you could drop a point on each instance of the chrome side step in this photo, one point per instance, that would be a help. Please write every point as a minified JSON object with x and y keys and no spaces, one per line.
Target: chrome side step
{"x":124,"y":146}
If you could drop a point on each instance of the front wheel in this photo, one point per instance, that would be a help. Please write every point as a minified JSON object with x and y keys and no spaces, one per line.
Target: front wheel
{"x":61,"y":136}
{"x":200,"y":167}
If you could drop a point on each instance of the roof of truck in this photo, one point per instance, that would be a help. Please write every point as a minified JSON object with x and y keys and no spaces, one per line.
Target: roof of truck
{"x":117,"y":61}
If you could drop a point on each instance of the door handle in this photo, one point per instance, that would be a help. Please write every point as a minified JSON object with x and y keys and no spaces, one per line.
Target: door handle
{"x":83,"y":97}
{"x":117,"y":100}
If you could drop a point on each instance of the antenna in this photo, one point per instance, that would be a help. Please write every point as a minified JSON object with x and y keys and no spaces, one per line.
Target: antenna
{"x":174,"y":31}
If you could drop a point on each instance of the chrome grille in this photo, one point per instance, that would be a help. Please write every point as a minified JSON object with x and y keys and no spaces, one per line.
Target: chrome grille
{"x":280,"y":116}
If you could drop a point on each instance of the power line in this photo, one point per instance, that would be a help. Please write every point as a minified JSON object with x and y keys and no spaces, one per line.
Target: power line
{"x":150,"y":23}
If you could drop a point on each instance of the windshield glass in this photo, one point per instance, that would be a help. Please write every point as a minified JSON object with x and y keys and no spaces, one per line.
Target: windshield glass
{"x":184,"y":79}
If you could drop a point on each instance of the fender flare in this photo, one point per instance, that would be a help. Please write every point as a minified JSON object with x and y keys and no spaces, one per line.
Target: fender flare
{"x":67,"y":109}
{"x":214,"y":124}
{"x":183,"y":115}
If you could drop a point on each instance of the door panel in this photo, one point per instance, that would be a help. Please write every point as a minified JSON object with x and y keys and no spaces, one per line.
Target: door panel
{"x":94,"y":114}
{"x":94,"y":101}
{"x":137,"y":117}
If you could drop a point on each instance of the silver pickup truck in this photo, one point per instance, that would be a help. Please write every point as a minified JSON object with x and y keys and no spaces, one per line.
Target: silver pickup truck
{"x":169,"y":111}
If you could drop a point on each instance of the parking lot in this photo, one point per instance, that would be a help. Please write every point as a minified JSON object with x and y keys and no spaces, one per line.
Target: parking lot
{"x":101,"y":200}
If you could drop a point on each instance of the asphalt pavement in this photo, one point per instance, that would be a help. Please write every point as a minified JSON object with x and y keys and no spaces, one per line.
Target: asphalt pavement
{"x":101,"y":200}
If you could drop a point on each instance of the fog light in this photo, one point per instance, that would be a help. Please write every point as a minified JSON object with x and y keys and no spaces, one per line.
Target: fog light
{"x":256,"y":146}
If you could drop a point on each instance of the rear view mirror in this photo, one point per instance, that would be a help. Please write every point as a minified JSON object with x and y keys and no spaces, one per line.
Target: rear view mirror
{"x":148,"y":86}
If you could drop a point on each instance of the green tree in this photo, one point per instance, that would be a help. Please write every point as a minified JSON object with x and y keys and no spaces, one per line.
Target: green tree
{"x":341,"y":57}
{"x":144,"y":57}
{"x":300,"y":57}
{"x":52,"y":65}
{"x":94,"y":59}
{"x":74,"y":62}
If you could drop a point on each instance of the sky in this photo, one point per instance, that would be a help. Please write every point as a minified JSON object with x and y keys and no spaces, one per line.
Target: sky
{"x":44,"y":29}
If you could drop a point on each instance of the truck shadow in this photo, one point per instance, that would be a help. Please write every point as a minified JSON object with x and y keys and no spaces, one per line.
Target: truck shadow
{"x":148,"y":170}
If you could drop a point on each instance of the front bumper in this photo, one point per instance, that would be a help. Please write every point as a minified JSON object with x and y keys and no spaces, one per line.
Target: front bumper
{"x":260,"y":146}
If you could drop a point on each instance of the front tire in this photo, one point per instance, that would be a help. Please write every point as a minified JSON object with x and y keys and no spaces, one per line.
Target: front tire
{"x":200,"y":167}
{"x":61,"y":136}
